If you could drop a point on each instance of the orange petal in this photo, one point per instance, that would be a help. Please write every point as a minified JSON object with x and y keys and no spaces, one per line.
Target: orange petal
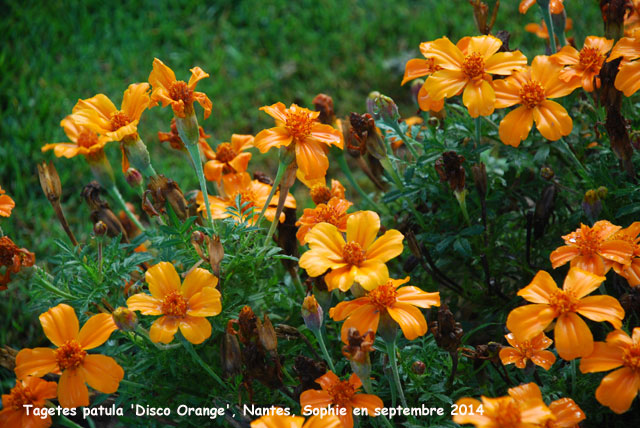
{"x":386,"y":247}
{"x":410,"y":320}
{"x":197,"y":74}
{"x":62,"y":150}
{"x":427,"y":103}
{"x":604,"y":357}
{"x":567,"y":412}
{"x":363,"y":319}
{"x":213,"y":170}
{"x":590,"y":263}
{"x":580,"y":282}
{"x":445,"y":83}
{"x":204,"y":102}
{"x":472,"y":418}
{"x":416,"y":297}
{"x":362,"y":227}
{"x":479,"y":99}
{"x":544,"y":359}
{"x":572,"y":336}
{"x":135,"y":100}
{"x":371,"y":273}
{"x":96,"y":331}
{"x":618,"y":389}
{"x":72,"y":390}
{"x":163,"y":329}
{"x":541,"y":288}
{"x":311,"y":159}
{"x":147,"y":305}
{"x":486,"y":46}
{"x":196,"y":280}
{"x":507,"y":93}
{"x":205,"y":303}
{"x":344,"y":309}
{"x":278,"y":111}
{"x":512,"y":356}
{"x":240,"y":162}
{"x":445,"y":54}
{"x":315,"y":399}
{"x":102,"y":373}
{"x":568,"y":55}
{"x":35,"y":362}
{"x":562,"y":255}
{"x":622,"y":339}
{"x":616,"y":250}
{"x":325,"y":134}
{"x":416,"y":68}
{"x":504,"y":63}
{"x":367,"y":401}
{"x":547,"y":72}
{"x":273,"y":137}
{"x":602,"y":308}
{"x":99,"y":104}
{"x":627,"y":79}
{"x":60,"y":324}
{"x":195,"y":329}
{"x":515,"y":126}
{"x":241,"y":142}
{"x":552,"y":120}
{"x":528,"y":321}
{"x":162,"y":279}
{"x":340,"y":278}
{"x":161,"y":75}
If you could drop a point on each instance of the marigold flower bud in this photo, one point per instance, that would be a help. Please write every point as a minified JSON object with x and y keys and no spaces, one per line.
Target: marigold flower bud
{"x":267,"y":334}
{"x":99,"y":229}
{"x":602,"y":192}
{"x":133,"y":177}
{"x":387,"y":108}
{"x":312,"y":313}
{"x":547,"y":173}
{"x":125,"y":319}
{"x":416,"y":85}
{"x":230,"y":354}
{"x":449,"y":168}
{"x":216,"y":253}
{"x":197,"y":237}
{"x":591,"y":204}
{"x":50,"y":181}
{"x":165,"y":190}
{"x":372,"y":108}
{"x":418,"y":367}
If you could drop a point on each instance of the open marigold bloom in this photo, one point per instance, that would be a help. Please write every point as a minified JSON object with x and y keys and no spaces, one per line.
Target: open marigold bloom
{"x":555,"y":6}
{"x":78,"y":368}
{"x":541,"y":29}
{"x":584,"y":65}
{"x":593,"y":249}
{"x":229,"y":158}
{"x":6,"y":204}
{"x":298,"y":128}
{"x":629,"y":49}
{"x":470,"y":71}
{"x":84,"y":141}
{"x":630,"y":272}
{"x":340,"y":393}
{"x":617,"y":389}
{"x":529,"y":350}
{"x":522,"y":408}
{"x":418,"y":67}
{"x":281,"y":421}
{"x":319,"y":191}
{"x":566,"y":412}
{"x":333,"y":212}
{"x":183,"y":306}
{"x":401,"y":303}
{"x":533,"y":89}
{"x":571,"y":334}
{"x":33,"y":391}
{"x":13,"y":259}
{"x":177,"y":93}
{"x":253,"y":195}
{"x":360,"y":258}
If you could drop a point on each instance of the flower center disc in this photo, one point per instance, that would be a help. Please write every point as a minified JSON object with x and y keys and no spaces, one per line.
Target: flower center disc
{"x":8,"y":250}
{"x":532,"y":94}
{"x":70,"y":355}
{"x":631,"y":358}
{"x":473,"y":66}
{"x":590,"y":57}
{"x":118,"y":120}
{"x":383,"y":296}
{"x":180,"y":91}
{"x":87,"y":139}
{"x":298,"y":124}
{"x":507,"y":414}
{"x":341,"y":393}
{"x":353,"y":253}
{"x":320,"y":194}
{"x":20,"y":396}
{"x":174,"y":304}
{"x":225,"y":153}
{"x":326,"y":214}
{"x":563,"y":302}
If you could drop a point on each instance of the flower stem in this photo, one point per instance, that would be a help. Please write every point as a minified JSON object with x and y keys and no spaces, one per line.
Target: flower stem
{"x":342,"y":162}
{"x":391,"y":351}
{"x":194,"y":152}
{"x":477,"y":125}
{"x":462,"y":201}
{"x":52,"y":288}
{"x":187,"y":345}
{"x":546,"y":15}
{"x":323,"y":348}
{"x":405,"y":139}
{"x":115,"y":194}
{"x":282,"y":166}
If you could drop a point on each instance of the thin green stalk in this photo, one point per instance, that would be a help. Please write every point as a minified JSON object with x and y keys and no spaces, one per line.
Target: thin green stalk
{"x":546,"y":15}
{"x":282,"y":167}
{"x":194,"y":152}
{"x":393,"y":362}
{"x":187,"y":345}
{"x":323,"y":348}
{"x":477,"y":127}
{"x":386,"y":421}
{"x":582,"y":171}
{"x":405,"y":139}
{"x":115,"y":194}
{"x":462,"y":201}
{"x":52,"y":288}
{"x":342,"y":162}
{"x":64,"y":421}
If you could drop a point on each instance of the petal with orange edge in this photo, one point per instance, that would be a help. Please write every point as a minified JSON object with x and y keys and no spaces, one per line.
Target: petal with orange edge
{"x":581,"y":282}
{"x":341,"y":278}
{"x":195,"y":329}
{"x":427,"y":103}
{"x":135,"y":100}
{"x":362,"y":227}
{"x":197,"y":74}
{"x":530,"y":320}
{"x":472,"y":418}
{"x":386,"y":247}
{"x":147,"y":305}
{"x":60,"y":324}
{"x":415,"y":296}
{"x":602,"y":308}
{"x":278,"y":111}
{"x":161,"y":75}
{"x":567,"y":412}
{"x":504,"y":63}
{"x":445,"y":83}
{"x":35,"y":362}
{"x":541,"y":288}
{"x":273,"y":137}
{"x":627,"y":79}
{"x":204,"y":102}
{"x":371,"y":273}
{"x":572,"y":336}
{"x":205,"y":303}
{"x":416,"y":68}
{"x":213,"y":170}
{"x":96,"y":331}
{"x":102,"y":373}
{"x":326,"y":134}
{"x":620,"y":338}
{"x":591,"y":263}
{"x":479,"y":99}
{"x":562,"y":255}
{"x":162,"y":279}
{"x":410,"y":320}
{"x":311,"y":159}
{"x":446,"y":54}
{"x":486,"y":46}
{"x":195,"y":281}
{"x":315,"y":399}
{"x":568,"y":55}
{"x":123,"y":131}
{"x":544,"y":359}
{"x":240,"y":162}
{"x":363,"y":319}
{"x":343,"y":309}
{"x":326,"y":236}
{"x":99,"y":104}
{"x":367,"y":401}
{"x":618,"y":389}
{"x":552,"y":120}
{"x":72,"y":390}
{"x":507,"y":93}
{"x":163,"y":329}
{"x":617,"y":250}
{"x":603,"y":358}
{"x":62,"y":150}
{"x":515,"y":126}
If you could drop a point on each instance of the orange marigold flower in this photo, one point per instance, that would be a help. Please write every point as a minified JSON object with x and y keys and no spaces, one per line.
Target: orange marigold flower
{"x":630,"y":272}
{"x":177,"y":93}
{"x":521,"y":352}
{"x":229,"y":158}
{"x":617,"y":389}
{"x":78,"y":368}
{"x":522,"y":408}
{"x":333,"y":212}
{"x":584,"y":65}
{"x":6,"y":203}
{"x":342,"y":394}
{"x":253,"y":195}
{"x":592,"y":249}
{"x":572,"y":335}
{"x":185,"y":306}
{"x":555,"y":6}
{"x":419,"y":68}
{"x":470,"y":71}
{"x":361,"y":258}
{"x":298,"y":128}
{"x":400,"y":303}
{"x":629,"y":49}
{"x":632,"y":18}
{"x":533,"y":88}
{"x":33,"y":391}
{"x":541,"y":29}
{"x":281,"y":421}
{"x":566,"y":412}
{"x":84,"y":141}
{"x":13,"y":259}
{"x":174,"y":140}
{"x":320,"y":192}
{"x":100,"y":115}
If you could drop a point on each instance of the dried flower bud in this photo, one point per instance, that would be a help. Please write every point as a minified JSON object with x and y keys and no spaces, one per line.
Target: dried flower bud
{"x":230,"y":354}
{"x":14,"y":259}
{"x":449,"y":168}
{"x":358,"y":346}
{"x":447,"y":332}
{"x":197,"y":237}
{"x":324,"y":104}
{"x":216,"y":253}
{"x":312,"y":313}
{"x":262,"y":178}
{"x":267,"y":334}
{"x":547,"y":173}
{"x":125,"y":319}
{"x":50,"y":181}
{"x":418,"y":367}
{"x":320,"y":194}
{"x":362,"y":137}
{"x":133,"y":177}
{"x":591,"y":204}
{"x":308,"y":370}
{"x":99,"y":229}
{"x":165,"y":190}
{"x":387,"y":108}
{"x":91,"y":194}
{"x":479,"y":172}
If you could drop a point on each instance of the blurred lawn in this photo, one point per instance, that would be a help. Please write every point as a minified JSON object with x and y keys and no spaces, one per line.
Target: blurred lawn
{"x":257,"y":53}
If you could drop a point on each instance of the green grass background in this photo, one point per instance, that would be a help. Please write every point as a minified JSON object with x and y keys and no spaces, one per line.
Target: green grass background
{"x":257,"y":53}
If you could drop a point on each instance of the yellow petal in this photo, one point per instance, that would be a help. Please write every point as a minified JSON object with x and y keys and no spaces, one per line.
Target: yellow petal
{"x":96,"y":331}
{"x":60,"y":324}
{"x":479,"y":99}
{"x":515,"y":126}
{"x":102,"y":373}
{"x":162,"y":279}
